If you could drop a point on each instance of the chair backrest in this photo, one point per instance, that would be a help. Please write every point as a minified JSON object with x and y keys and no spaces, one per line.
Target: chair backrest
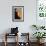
{"x":14,"y":30}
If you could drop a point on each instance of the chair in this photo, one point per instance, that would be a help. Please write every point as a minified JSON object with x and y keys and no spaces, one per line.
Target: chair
{"x":24,"y":36}
{"x":14,"y":32}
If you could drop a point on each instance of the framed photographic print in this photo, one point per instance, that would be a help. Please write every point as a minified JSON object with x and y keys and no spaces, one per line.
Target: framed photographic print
{"x":17,"y":13}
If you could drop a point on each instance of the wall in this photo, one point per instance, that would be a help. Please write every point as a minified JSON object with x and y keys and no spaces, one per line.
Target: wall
{"x":6,"y":15}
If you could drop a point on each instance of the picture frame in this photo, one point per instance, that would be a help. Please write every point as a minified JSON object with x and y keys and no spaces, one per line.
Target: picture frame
{"x":17,"y":13}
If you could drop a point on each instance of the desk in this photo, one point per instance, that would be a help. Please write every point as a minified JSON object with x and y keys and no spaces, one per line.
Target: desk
{"x":17,"y":43}
{"x":8,"y":34}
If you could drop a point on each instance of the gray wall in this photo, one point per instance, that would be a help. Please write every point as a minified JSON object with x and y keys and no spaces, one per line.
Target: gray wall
{"x":6,"y":15}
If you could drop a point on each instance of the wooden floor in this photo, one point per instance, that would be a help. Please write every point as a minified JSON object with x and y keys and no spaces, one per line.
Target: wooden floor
{"x":13,"y":44}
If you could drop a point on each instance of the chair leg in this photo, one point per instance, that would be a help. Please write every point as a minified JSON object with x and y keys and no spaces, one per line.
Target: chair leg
{"x":5,"y":43}
{"x":5,"y":40}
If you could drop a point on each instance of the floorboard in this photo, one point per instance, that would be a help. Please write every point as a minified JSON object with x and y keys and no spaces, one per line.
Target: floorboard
{"x":13,"y":44}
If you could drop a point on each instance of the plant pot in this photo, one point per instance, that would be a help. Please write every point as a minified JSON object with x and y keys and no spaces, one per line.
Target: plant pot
{"x":38,"y":40}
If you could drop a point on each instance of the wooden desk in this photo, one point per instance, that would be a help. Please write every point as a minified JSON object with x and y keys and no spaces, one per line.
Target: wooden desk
{"x":8,"y":34}
{"x":22,"y":34}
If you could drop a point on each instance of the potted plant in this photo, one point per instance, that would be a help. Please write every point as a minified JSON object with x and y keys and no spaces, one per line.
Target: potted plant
{"x":39,"y":35}
{"x":42,"y":27}
{"x":35,"y":26}
{"x":38,"y":27}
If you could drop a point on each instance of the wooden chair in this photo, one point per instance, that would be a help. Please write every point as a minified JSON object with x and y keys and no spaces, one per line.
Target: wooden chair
{"x":7,"y":34}
{"x":27,"y":43}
